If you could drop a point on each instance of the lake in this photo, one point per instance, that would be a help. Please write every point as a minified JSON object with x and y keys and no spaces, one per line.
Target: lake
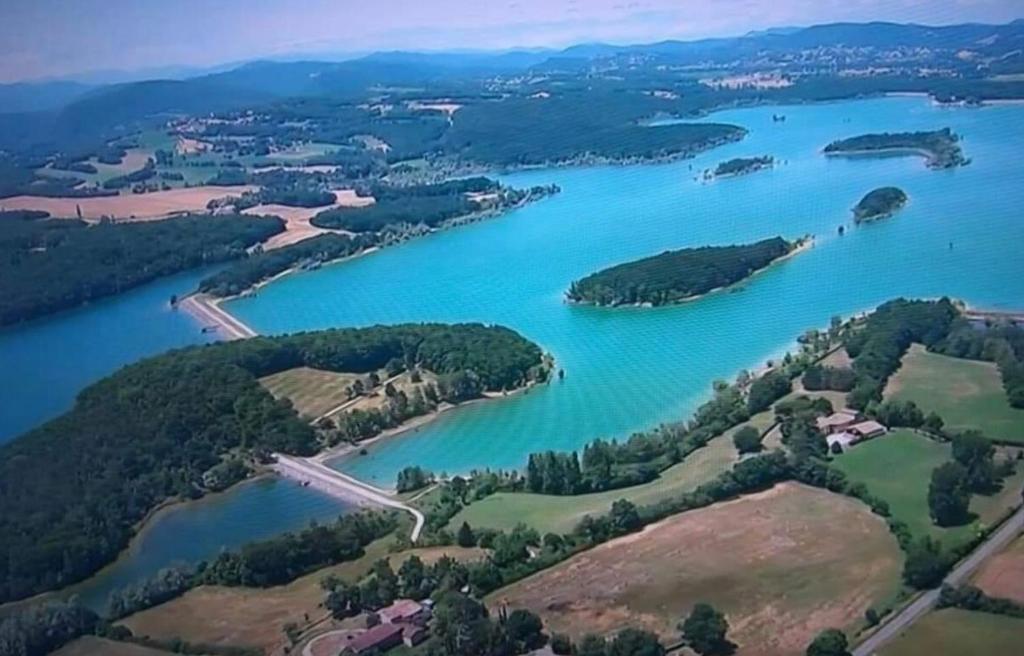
{"x":627,"y":369}
{"x":631,"y":368}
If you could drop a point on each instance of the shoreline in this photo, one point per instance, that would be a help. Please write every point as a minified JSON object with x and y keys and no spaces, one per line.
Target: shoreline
{"x":806,"y":243}
{"x":349,"y":451}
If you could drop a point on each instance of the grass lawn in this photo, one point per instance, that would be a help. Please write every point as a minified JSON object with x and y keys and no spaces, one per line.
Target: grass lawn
{"x":255,"y":617}
{"x":965,"y":393}
{"x":782,"y":565}
{"x":560,"y":514}
{"x":312,"y":391}
{"x":898,"y":468}
{"x":955,"y":632}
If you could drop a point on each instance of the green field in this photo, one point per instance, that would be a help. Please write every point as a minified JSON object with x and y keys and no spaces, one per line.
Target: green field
{"x":965,"y":393}
{"x":313,"y":392}
{"x":898,"y":468}
{"x":560,"y":514}
{"x":955,"y":632}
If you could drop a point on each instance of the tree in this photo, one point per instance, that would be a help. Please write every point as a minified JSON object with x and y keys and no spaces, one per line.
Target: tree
{"x":465,"y":537}
{"x":925,"y":564}
{"x":766,"y":390}
{"x":705,"y":630}
{"x":747,"y":439}
{"x":948,"y":496}
{"x":525,"y":629}
{"x":634,"y":642}
{"x":592,"y":645}
{"x":974,"y":451}
{"x":830,"y":642}
{"x":624,"y":517}
{"x":413,"y":478}
{"x":561,"y":645}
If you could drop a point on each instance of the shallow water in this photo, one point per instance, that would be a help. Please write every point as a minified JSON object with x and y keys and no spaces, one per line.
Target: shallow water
{"x":631,"y":368}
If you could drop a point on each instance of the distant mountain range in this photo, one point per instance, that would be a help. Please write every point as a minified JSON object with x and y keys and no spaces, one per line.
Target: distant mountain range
{"x":62,"y":110}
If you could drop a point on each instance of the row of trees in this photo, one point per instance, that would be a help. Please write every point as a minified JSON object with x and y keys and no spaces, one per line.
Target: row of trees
{"x":1000,"y":342}
{"x":971,"y":471}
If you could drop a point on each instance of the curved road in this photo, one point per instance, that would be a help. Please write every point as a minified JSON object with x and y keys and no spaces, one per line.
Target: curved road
{"x":334,"y":482}
{"x":1006,"y":533}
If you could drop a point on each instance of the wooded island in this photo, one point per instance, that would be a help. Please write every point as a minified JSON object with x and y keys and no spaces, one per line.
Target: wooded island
{"x":940,"y":147}
{"x":675,"y":276}
{"x":879,"y":203}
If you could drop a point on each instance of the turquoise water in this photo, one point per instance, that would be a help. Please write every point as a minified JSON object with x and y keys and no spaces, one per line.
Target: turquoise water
{"x":629,"y":369}
{"x":201,"y":529}
{"x":45,"y":363}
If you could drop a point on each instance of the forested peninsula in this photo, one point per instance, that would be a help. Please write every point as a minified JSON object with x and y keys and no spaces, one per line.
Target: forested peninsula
{"x":675,"y":276}
{"x":73,"y":491}
{"x":879,"y":203}
{"x":48,"y":264}
{"x":941,"y":148}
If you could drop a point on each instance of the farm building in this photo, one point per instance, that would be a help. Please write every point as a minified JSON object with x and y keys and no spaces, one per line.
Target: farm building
{"x":838,"y":422}
{"x":378,"y":639}
{"x":403,"y":611}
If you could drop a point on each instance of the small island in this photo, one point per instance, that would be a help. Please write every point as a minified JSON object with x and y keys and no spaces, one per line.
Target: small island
{"x":742,"y":166}
{"x":676,"y":276}
{"x":879,"y":203}
{"x":940,"y":148}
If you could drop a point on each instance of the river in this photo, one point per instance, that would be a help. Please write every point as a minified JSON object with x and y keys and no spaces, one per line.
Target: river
{"x":627,"y":368}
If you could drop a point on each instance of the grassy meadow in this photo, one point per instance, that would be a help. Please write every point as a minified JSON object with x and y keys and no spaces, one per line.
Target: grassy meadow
{"x":560,"y":514}
{"x":898,"y":469}
{"x":955,"y":632}
{"x":965,"y":393}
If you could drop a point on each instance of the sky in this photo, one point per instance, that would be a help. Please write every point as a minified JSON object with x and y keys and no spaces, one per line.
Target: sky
{"x":69,"y":38}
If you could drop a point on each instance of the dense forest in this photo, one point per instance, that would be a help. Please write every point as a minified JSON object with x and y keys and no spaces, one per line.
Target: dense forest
{"x":941,"y":146}
{"x":674,"y":276}
{"x":72,"y":490}
{"x":243,"y":274}
{"x":48,"y":265}
{"x":879,"y":204}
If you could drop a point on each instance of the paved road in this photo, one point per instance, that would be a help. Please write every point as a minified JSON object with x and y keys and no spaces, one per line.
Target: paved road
{"x":332,"y":481}
{"x":900,"y":622}
{"x":205,"y":308}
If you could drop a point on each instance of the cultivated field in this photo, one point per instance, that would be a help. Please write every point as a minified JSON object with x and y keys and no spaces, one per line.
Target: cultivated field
{"x":898,"y":467}
{"x":313,"y":392}
{"x":560,"y":514}
{"x":155,"y":205}
{"x":252,"y":617}
{"x":955,"y":632}
{"x":93,"y":646}
{"x":1003,"y":574}
{"x":965,"y":393}
{"x":783,"y":565}
{"x":297,"y":219}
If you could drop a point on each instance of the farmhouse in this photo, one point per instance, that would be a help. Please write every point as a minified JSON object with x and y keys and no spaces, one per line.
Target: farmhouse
{"x":378,"y":639}
{"x":838,"y":421}
{"x":858,"y":432}
{"x":403,"y":611}
{"x":865,"y":430}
